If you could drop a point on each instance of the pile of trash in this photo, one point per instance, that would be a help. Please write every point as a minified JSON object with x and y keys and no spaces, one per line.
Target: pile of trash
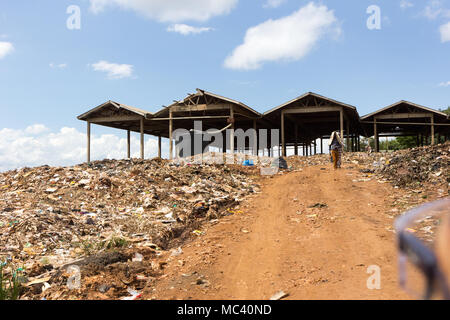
{"x":413,"y":167}
{"x":238,"y":158}
{"x":51,"y":216}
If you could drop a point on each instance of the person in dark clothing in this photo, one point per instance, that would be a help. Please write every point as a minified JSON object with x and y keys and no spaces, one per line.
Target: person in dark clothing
{"x":336,"y":146}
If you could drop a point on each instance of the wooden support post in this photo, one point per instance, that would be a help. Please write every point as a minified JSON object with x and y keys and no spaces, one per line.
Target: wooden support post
{"x":255,"y":137}
{"x":159,"y":146}
{"x":432,"y":129}
{"x":232,"y":130}
{"x":296,"y":140}
{"x":283,"y":145}
{"x":315,"y":146}
{"x":170,"y":134}
{"x":142,"y":138}
{"x":321,"y":145}
{"x":128,"y":144}
{"x":341,"y":124}
{"x":375,"y":135}
{"x":348,"y":135}
{"x":88,"y":142}
{"x":353,"y":142}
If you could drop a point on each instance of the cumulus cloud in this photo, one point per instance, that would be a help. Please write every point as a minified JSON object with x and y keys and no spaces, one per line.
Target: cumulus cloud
{"x":170,"y":11}
{"x":185,"y":29}
{"x":444,"y":84}
{"x":273,"y":3}
{"x":5,"y":48}
{"x":37,"y":145}
{"x":36,"y":129}
{"x":114,"y":70}
{"x":289,"y":38}
{"x":445,"y":32}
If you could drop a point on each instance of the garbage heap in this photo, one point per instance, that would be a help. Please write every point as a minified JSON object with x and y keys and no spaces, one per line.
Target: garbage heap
{"x":53,"y":215}
{"x":414,"y":167}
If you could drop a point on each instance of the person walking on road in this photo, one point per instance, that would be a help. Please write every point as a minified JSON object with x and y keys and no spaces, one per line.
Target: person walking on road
{"x":336,"y":146}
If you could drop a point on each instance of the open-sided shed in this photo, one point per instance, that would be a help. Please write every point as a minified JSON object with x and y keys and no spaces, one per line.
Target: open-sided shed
{"x":116,"y":115}
{"x":301,"y":121}
{"x":312,"y":116}
{"x":214,"y":111}
{"x":405,"y":118}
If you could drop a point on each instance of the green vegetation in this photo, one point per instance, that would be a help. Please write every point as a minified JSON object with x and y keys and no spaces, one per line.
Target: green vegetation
{"x":446,"y":111}
{"x":399,"y":143}
{"x":91,"y":247}
{"x":10,"y":287}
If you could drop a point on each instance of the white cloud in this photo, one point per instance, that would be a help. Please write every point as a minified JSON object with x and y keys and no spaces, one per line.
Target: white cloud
{"x":288,"y":38}
{"x":405,"y":4}
{"x":444,"y":84}
{"x":59,"y":66}
{"x":185,"y":29}
{"x":36,"y":146}
{"x":170,"y":10}
{"x":273,"y":3}
{"x":114,"y":70}
{"x":36,"y":129}
{"x":5,"y":48}
{"x":435,"y":9}
{"x":445,"y":32}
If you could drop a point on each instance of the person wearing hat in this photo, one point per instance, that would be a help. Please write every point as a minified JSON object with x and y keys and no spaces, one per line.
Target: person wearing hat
{"x":336,"y":146}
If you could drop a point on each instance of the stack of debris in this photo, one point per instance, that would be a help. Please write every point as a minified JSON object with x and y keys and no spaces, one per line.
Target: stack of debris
{"x":54,"y":215}
{"x":416,"y":166}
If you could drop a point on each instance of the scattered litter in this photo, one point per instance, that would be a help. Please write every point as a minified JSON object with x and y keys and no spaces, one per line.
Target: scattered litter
{"x":176,"y":252}
{"x":319,"y":205}
{"x":134,"y":295}
{"x":138,"y":257}
{"x":279,"y":295}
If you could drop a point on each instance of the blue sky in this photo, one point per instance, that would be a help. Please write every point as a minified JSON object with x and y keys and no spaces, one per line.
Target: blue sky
{"x":160,"y":50}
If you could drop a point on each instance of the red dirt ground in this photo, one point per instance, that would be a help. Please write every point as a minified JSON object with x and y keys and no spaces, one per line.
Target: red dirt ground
{"x":277,"y":243}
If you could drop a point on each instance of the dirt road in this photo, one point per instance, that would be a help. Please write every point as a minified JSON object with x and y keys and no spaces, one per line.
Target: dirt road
{"x":277,"y":242}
